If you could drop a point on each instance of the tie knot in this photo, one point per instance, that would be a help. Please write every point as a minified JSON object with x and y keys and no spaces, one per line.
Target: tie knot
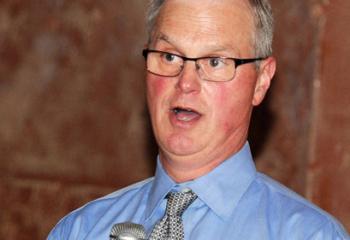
{"x":178,"y":202}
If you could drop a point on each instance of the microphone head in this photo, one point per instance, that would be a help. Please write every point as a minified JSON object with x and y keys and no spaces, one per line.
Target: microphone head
{"x":127,"y":231}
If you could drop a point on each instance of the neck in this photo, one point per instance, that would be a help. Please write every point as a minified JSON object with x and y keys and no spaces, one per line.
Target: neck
{"x":187,"y":168}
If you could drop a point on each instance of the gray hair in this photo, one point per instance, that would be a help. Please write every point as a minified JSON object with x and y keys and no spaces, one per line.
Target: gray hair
{"x":263,"y":18}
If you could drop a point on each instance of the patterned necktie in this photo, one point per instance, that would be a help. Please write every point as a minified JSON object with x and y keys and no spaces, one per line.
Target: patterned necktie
{"x":170,"y":226}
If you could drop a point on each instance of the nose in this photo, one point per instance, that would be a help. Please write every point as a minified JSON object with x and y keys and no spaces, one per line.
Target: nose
{"x":189,"y":80}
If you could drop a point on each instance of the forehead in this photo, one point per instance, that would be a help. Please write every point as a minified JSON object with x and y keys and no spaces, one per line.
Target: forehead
{"x":207,"y":24}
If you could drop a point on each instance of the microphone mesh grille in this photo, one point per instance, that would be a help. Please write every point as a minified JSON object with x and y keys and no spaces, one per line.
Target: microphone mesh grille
{"x":128,"y":229}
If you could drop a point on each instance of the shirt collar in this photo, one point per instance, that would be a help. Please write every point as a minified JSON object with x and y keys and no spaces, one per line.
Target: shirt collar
{"x":162,"y":184}
{"x":221,"y":189}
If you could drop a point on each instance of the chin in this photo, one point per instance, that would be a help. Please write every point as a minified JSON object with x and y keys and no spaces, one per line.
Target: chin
{"x":182,"y":146}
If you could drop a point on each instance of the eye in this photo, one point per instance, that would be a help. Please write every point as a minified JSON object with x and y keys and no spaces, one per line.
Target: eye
{"x":168,"y":57}
{"x":216,"y":62}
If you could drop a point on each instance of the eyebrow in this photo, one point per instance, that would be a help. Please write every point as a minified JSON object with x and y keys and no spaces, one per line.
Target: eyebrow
{"x":213,"y":48}
{"x":163,"y":37}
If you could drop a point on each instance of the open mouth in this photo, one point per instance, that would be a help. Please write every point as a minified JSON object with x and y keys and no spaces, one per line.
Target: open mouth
{"x":185,"y":114}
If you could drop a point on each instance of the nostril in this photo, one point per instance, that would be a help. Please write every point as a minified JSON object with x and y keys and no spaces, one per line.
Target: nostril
{"x":189,"y":79}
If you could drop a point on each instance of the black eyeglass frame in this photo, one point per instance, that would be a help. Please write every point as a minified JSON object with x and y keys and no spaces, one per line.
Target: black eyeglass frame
{"x":237,"y":61}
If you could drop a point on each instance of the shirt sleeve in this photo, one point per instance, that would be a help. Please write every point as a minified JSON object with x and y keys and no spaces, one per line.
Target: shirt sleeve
{"x":330,"y":231}
{"x":56,"y":234}
{"x":63,"y":230}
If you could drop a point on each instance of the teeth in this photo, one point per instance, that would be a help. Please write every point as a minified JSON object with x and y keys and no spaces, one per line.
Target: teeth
{"x":178,"y":110}
{"x":185,"y":114}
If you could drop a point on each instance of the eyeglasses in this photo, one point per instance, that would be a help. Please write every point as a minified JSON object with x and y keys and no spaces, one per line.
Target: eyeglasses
{"x":217,"y":69}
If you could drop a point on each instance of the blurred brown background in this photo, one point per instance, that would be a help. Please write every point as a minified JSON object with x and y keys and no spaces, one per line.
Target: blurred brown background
{"x":73,"y":120}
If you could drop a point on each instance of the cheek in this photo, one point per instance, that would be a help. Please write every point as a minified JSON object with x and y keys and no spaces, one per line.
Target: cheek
{"x":221,"y":102}
{"x":155,"y":89}
{"x":227,"y":110}
{"x":232,"y":106}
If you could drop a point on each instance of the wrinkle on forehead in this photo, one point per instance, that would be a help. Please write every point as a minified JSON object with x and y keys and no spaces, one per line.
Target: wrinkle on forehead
{"x":211,"y":47}
{"x":209,"y":19}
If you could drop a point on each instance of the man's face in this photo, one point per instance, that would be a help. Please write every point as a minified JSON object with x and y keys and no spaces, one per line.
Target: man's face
{"x":196,"y":122}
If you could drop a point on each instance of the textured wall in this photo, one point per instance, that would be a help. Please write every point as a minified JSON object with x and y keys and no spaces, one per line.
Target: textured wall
{"x":307,"y":144}
{"x":287,"y":111}
{"x":73,"y":121}
{"x":329,"y":162}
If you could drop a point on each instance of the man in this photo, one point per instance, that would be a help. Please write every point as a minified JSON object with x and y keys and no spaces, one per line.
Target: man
{"x":208,"y":64}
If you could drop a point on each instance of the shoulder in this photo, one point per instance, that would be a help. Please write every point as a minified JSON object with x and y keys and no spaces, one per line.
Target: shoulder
{"x":81,"y":221}
{"x":291,"y":214}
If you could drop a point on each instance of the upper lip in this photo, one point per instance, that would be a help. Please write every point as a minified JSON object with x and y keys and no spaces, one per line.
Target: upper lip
{"x":185,"y":108}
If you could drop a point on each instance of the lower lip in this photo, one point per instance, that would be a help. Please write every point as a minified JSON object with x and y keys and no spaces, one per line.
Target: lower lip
{"x":177,"y":121}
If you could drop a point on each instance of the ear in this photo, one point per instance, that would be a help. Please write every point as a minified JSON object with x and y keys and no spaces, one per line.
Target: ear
{"x":266,"y":71}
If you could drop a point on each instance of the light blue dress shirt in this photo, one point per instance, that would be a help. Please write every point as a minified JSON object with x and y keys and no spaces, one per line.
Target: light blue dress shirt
{"x":234,"y":202}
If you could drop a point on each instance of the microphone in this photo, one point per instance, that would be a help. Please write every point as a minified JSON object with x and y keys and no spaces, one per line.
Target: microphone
{"x":127,"y":231}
